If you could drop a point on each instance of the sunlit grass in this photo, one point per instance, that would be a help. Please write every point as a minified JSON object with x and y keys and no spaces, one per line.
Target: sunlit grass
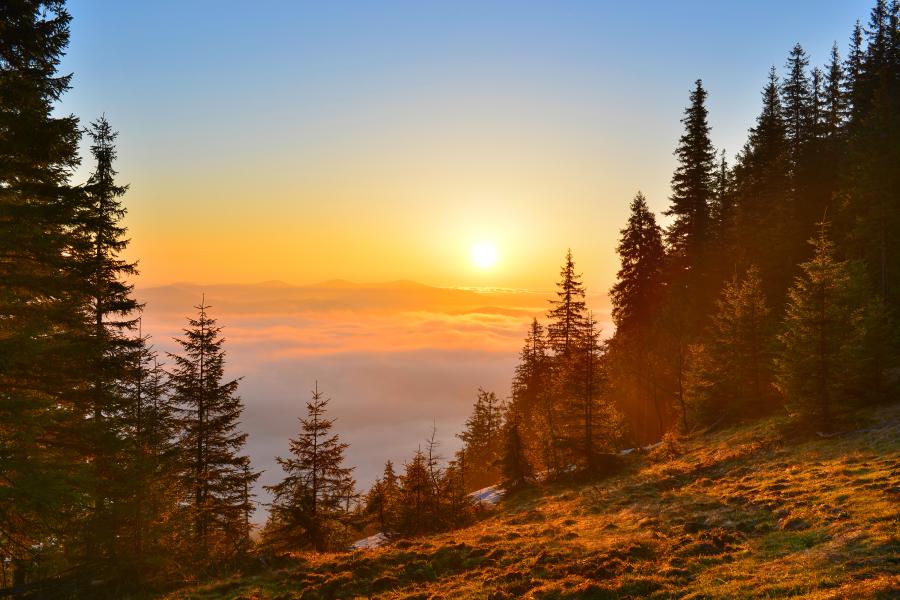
{"x":750,"y":512}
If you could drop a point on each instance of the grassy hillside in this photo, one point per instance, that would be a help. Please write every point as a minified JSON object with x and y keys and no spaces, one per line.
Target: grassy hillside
{"x":755,"y":511}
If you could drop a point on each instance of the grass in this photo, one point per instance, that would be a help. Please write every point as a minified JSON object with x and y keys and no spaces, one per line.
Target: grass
{"x":750,"y":512}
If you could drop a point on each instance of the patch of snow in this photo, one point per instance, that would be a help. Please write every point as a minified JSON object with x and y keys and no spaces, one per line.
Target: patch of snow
{"x":646,"y":448}
{"x":373,"y":541}
{"x":490,"y":495}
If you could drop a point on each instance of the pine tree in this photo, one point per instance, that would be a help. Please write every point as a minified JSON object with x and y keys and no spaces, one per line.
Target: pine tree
{"x":41,"y":322}
{"x":417,"y":500}
{"x":593,"y":422}
{"x":817,"y":108}
{"x":872,"y":206}
{"x":722,"y":210}
{"x":636,"y":298}
{"x":209,"y":411}
{"x":689,"y":238}
{"x":455,"y":504}
{"x":382,"y":500}
{"x":638,"y":288}
{"x":730,"y":375}
{"x":307,"y":509}
{"x":692,"y":187}
{"x":823,"y":332}
{"x":853,"y":68}
{"x":763,"y":198}
{"x":835,"y":97}
{"x":567,"y":312}
{"x":797,"y":95}
{"x":515,"y":467}
{"x":434,"y":459}
{"x":150,"y":465}
{"x":481,"y":441}
{"x":532,"y":398}
{"x":109,"y":348}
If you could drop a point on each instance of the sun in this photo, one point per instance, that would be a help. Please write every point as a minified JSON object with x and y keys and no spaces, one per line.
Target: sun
{"x":484,"y":255}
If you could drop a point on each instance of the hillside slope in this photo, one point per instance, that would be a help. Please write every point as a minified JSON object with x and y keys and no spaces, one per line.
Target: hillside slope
{"x":750,"y":512}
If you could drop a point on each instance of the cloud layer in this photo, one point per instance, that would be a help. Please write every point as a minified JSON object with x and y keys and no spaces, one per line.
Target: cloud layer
{"x":394,"y":358}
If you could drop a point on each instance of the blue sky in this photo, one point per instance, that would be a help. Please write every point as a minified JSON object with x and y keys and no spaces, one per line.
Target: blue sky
{"x":254,"y":114}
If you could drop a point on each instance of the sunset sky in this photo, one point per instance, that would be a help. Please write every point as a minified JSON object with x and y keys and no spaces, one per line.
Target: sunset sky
{"x":305,"y":141}
{"x":456,"y":144}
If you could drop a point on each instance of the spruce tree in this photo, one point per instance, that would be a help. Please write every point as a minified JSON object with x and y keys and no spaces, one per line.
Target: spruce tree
{"x":434,"y":460}
{"x":455,"y":506}
{"x":417,"y":501}
{"x":763,"y":198}
{"x":567,"y":312}
{"x":307,"y":509}
{"x":481,"y":441}
{"x":382,"y":501}
{"x":821,"y":344}
{"x":638,"y":288}
{"x":636,"y":298}
{"x":872,"y":206}
{"x":108,"y":350}
{"x":531,"y":396}
{"x":811,"y":168}
{"x":42,"y":326}
{"x":730,"y":373}
{"x":692,"y":188}
{"x":797,"y":103}
{"x":689,"y":238}
{"x":853,"y":68}
{"x":835,"y":99}
{"x":151,"y":478}
{"x":209,"y":412}
{"x":515,"y":467}
{"x":567,"y":321}
{"x":722,"y":211}
{"x":817,"y":108}
{"x":593,"y":423}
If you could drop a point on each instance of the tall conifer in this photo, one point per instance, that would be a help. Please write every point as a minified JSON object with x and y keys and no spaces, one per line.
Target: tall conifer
{"x":113,"y":314}
{"x":308,"y":509}
{"x":211,"y":441}
{"x":636,"y":301}
{"x":823,"y":333}
{"x":730,"y":373}
{"x":567,"y":312}
{"x":692,"y":186}
{"x":41,"y":323}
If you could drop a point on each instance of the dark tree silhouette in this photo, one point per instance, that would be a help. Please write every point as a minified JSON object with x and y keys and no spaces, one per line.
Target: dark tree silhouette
{"x":216,"y":474}
{"x":823,"y":333}
{"x":307,"y":509}
{"x":638,"y":288}
{"x":636,"y":298}
{"x":532,"y":399}
{"x":417,"y":499}
{"x":42,"y":326}
{"x":515,"y":466}
{"x":692,"y":187}
{"x":730,"y":372}
{"x":797,"y":100}
{"x":481,"y":440}
{"x":109,"y":349}
{"x":567,"y":312}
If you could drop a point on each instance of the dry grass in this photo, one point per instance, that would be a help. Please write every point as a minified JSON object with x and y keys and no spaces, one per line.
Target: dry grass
{"x":751,"y":512}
